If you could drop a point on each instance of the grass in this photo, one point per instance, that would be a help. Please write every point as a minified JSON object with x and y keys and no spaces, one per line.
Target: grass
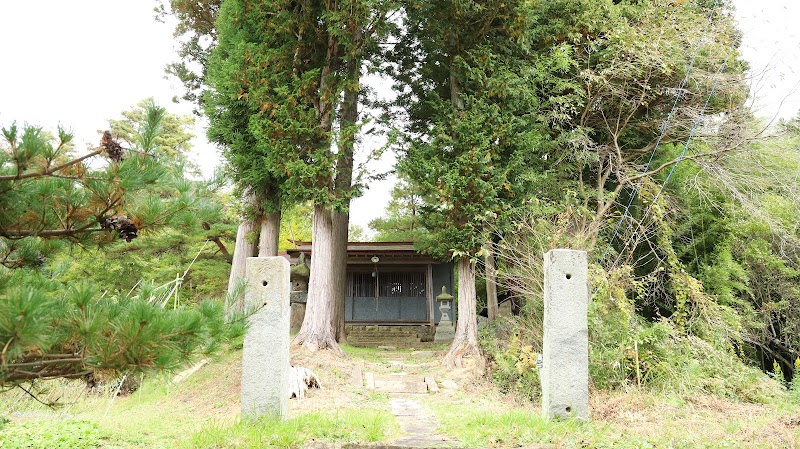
{"x":339,"y":427}
{"x":203,"y":412}
{"x":68,"y":434}
{"x":200,"y":412}
{"x":518,"y":428}
{"x":653,"y":423}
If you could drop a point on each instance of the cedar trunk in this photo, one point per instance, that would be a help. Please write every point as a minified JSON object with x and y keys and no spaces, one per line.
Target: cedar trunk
{"x":317,"y":332}
{"x":491,"y":285}
{"x":270,"y":232}
{"x":338,"y":286}
{"x":465,"y":342}
{"x":343,"y":184}
{"x":241,"y":252}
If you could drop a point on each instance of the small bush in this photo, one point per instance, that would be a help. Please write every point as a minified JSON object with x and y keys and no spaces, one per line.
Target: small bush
{"x":512,"y":359}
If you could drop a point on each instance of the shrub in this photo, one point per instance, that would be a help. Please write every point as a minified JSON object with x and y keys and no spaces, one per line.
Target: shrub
{"x":625,"y":349}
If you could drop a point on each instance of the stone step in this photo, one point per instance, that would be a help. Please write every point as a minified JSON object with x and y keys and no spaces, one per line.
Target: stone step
{"x":400,"y":383}
{"x":391,"y":332}
{"x":382,"y":342}
{"x":416,"y":331}
{"x":385,"y":340}
{"x":400,"y":386}
{"x":385,"y":334}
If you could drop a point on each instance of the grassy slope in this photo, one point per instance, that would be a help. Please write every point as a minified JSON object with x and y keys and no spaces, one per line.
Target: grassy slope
{"x":202,"y":412}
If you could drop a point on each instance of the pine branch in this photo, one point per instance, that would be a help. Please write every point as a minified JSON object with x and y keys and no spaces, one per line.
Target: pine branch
{"x":51,"y":170}
{"x":43,"y":362}
{"x":15,"y":234}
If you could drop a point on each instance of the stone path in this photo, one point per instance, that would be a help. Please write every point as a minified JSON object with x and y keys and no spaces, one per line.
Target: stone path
{"x":418,"y":423}
{"x":406,"y":393}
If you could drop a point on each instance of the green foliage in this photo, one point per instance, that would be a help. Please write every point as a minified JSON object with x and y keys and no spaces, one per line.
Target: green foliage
{"x":736,"y":233}
{"x":59,"y":318}
{"x":295,"y":226}
{"x":794,"y":385}
{"x":273,"y":98}
{"x":170,"y":140}
{"x":473,"y":127}
{"x":612,"y":72}
{"x":627,"y":350}
{"x":350,"y":426}
{"x":49,"y":193}
{"x":401,"y":221}
{"x":513,"y":358}
{"x":156,"y":257}
{"x":51,"y":435}
{"x":53,"y":330}
{"x":196,"y":31}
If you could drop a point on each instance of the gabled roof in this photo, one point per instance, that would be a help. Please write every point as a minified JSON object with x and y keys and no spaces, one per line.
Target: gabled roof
{"x":362,"y":252}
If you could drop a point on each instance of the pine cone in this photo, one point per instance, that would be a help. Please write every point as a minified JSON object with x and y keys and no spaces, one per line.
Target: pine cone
{"x":122,"y":224}
{"x":113,"y":149}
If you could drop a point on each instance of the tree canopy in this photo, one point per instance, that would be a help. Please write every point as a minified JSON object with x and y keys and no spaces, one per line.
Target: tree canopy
{"x":619,"y":127}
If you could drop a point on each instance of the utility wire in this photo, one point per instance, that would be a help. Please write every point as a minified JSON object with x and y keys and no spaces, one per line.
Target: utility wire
{"x":686,"y":144}
{"x":663,"y":129}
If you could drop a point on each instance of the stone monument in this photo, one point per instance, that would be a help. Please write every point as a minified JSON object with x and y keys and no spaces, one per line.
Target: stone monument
{"x":265,"y":358}
{"x":565,"y":353}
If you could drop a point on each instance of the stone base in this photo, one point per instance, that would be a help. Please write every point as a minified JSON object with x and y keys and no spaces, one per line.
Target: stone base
{"x":298,"y":313}
{"x":445,"y":332}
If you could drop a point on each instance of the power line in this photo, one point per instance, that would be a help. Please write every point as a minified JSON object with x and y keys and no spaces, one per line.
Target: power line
{"x":663,"y":130}
{"x":686,"y":144}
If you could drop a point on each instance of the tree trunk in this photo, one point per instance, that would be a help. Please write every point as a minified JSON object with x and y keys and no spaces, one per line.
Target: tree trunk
{"x":465,"y":342}
{"x":241,"y":251}
{"x":491,"y":284}
{"x":317,"y":332}
{"x":270,"y":232}
{"x":343,"y":184}
{"x":339,"y":285}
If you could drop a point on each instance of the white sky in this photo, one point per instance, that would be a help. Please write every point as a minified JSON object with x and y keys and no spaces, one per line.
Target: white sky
{"x":80,"y":63}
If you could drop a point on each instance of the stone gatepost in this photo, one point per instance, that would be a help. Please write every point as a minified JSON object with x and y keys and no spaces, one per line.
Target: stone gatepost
{"x":265,"y":359}
{"x":565,"y":353}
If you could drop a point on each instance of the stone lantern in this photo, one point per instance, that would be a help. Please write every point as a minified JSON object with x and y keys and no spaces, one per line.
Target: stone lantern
{"x":445,"y":331}
{"x":298,"y":276}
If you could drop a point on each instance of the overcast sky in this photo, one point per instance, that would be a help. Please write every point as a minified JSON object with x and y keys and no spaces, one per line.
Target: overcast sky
{"x":80,"y":63}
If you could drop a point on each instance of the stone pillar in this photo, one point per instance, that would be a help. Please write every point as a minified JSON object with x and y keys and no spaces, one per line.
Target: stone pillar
{"x":565,"y":353}
{"x":265,"y":359}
